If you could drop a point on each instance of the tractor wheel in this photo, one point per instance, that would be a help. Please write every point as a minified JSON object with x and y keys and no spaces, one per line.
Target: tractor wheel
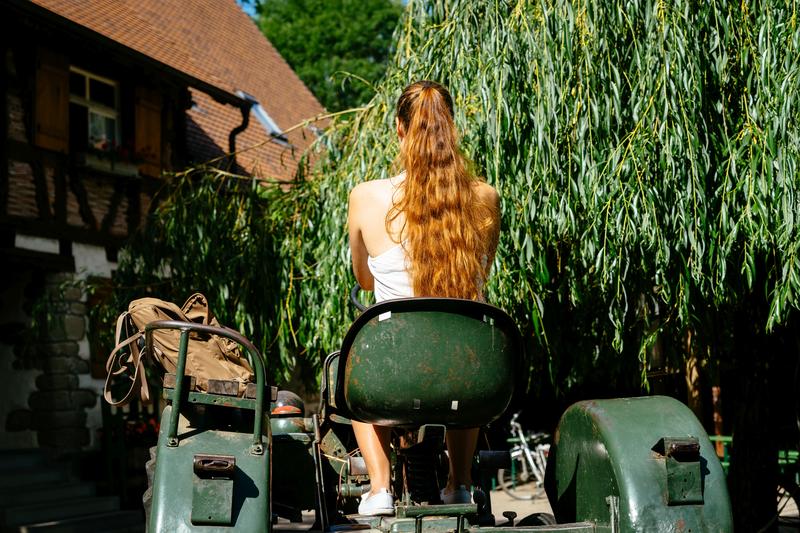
{"x":147,"y":497}
{"x":537,"y":519}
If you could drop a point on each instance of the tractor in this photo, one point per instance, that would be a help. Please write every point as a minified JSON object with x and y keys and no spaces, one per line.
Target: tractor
{"x":227,"y":461}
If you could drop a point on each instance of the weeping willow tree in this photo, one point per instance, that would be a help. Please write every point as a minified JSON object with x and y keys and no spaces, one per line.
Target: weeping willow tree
{"x":646,"y":154}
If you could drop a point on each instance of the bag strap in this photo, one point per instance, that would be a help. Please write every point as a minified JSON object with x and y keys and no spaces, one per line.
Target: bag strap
{"x":139,"y":379}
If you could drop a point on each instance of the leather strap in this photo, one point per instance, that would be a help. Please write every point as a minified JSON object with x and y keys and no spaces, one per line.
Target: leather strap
{"x":139,"y":379}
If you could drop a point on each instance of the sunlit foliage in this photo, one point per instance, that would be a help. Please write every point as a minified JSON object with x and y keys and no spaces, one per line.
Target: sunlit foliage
{"x":646,"y":153}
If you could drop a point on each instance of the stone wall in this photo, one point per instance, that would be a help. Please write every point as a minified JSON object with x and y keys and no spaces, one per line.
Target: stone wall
{"x":57,"y":408}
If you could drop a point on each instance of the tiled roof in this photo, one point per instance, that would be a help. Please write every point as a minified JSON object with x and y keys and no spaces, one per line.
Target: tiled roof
{"x":216,"y":42}
{"x":122,"y":22}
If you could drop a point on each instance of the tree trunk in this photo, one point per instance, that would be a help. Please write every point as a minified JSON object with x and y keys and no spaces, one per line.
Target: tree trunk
{"x":694,"y":397}
{"x":716,"y":401}
{"x":753,"y":476}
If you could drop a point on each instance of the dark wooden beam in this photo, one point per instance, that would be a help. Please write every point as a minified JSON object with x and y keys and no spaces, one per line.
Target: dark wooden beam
{"x":111,"y":214}
{"x":60,"y":206}
{"x":84,"y":208}
{"x":40,"y":182}
{"x":134,"y":215}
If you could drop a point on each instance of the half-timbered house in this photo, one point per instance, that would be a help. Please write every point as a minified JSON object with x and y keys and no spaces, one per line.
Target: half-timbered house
{"x":98,"y":98}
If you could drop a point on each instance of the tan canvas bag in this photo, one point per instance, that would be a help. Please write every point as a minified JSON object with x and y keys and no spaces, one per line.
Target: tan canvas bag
{"x":209,"y":356}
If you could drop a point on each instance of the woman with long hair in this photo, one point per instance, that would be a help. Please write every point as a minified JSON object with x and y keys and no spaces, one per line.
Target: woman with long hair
{"x":432,"y":230}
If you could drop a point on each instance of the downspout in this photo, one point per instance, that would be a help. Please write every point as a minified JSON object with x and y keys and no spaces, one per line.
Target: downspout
{"x":245,"y":109}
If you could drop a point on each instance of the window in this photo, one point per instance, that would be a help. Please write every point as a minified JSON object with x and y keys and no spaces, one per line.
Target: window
{"x":93,"y":112}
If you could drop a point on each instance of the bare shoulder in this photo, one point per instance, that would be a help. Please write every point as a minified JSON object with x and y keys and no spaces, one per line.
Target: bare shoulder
{"x":370,"y":189}
{"x":371,"y":196}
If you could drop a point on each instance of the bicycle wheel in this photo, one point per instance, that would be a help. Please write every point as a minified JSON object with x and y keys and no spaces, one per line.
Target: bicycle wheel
{"x":518,"y":481}
{"x":788,"y":495}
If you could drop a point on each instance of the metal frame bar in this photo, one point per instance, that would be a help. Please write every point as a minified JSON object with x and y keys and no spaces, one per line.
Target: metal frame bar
{"x":254,"y":356}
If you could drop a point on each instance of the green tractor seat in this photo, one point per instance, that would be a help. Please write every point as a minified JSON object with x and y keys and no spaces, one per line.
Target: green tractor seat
{"x":415,"y":361}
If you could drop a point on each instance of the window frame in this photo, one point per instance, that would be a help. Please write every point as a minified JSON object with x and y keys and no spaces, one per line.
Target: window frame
{"x":96,"y":107}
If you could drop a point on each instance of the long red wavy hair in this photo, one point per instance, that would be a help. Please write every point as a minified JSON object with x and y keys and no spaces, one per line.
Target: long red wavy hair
{"x":445,"y":233}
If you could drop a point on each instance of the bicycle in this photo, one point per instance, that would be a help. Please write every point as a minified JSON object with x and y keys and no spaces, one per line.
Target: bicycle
{"x":525,"y":479}
{"x":787,"y":493}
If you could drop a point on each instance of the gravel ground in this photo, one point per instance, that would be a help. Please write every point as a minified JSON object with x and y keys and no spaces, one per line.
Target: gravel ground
{"x":501,"y":501}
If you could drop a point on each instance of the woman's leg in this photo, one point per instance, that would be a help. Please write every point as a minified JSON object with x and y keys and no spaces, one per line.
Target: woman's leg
{"x":374,"y":444}
{"x":461,"y":445}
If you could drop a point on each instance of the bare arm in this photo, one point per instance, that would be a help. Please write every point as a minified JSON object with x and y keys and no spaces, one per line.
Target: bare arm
{"x":490,"y":198}
{"x":358,"y":250}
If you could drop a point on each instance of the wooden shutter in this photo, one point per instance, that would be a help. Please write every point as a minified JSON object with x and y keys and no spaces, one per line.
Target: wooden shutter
{"x":51,"y":108}
{"x":147,"y":119}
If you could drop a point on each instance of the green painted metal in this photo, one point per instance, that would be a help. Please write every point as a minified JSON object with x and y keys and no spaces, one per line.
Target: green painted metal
{"x":212,"y":501}
{"x":608,"y":465}
{"x":180,"y":373}
{"x":219,"y":399}
{"x":211,"y":425}
{"x":445,"y":524}
{"x":174,"y":478}
{"x":684,"y":470}
{"x":290,"y":424}
{"x":418,"y":363}
{"x":456,"y":509}
{"x":253,"y":356}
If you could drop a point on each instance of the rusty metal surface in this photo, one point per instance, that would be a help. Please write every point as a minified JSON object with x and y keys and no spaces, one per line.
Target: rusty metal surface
{"x":427,"y":360}
{"x":606,"y":460}
{"x":177,"y":490}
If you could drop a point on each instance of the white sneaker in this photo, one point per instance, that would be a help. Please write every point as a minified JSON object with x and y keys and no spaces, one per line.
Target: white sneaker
{"x":379,"y":504}
{"x":460,"y":495}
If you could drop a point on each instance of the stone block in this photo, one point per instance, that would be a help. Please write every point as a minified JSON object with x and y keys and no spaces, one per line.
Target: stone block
{"x":50,"y":401}
{"x":77,"y":308}
{"x":59,"y":349}
{"x":75,"y":327}
{"x":81,"y":366}
{"x":19,"y":420}
{"x":51,"y":382}
{"x":62,"y":400}
{"x":84,"y":398}
{"x":60,"y":365}
{"x":66,"y":438}
{"x":57,"y":278}
{"x":72,"y":294}
{"x":44,"y":420}
{"x":66,"y":328}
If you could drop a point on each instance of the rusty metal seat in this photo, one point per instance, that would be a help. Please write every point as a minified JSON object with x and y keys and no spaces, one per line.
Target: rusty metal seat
{"x":415,"y":361}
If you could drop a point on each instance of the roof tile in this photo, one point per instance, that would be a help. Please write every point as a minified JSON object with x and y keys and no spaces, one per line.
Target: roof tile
{"x":216,"y":42}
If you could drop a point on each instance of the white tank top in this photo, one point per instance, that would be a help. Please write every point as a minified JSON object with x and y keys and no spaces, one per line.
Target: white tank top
{"x":392,"y":279}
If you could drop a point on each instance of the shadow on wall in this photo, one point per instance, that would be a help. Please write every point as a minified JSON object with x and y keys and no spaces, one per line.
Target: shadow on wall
{"x":203,"y":148}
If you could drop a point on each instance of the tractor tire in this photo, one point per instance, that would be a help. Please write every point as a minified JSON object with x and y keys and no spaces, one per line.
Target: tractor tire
{"x":147,"y":497}
{"x":537,"y":519}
